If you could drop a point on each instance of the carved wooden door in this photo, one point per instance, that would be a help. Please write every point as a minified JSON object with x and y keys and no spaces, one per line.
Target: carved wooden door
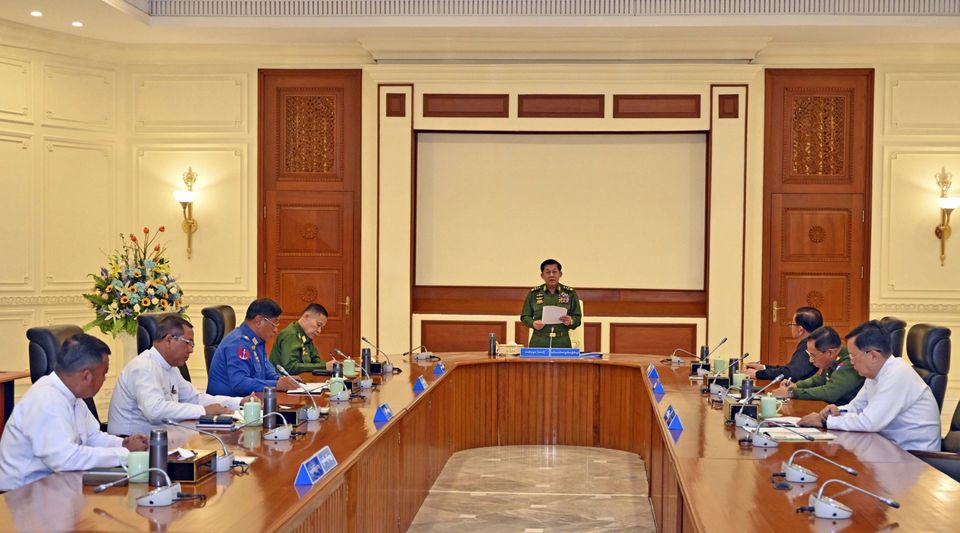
{"x":310,"y":197}
{"x":817,"y":151}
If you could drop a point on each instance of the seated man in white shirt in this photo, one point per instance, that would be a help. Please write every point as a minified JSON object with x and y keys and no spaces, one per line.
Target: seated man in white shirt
{"x":151,"y":387}
{"x":894,"y":401}
{"x":51,"y":428}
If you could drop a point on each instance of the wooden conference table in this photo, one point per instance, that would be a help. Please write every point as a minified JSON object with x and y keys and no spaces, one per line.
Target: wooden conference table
{"x":699,"y":479}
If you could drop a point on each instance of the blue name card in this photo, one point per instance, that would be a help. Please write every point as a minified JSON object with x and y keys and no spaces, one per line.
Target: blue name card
{"x":672,"y":419}
{"x":317,"y":466}
{"x":549,"y":352}
{"x":419,"y":385}
{"x":384,"y":413}
{"x":658,"y":389}
{"x":652,"y":373}
{"x":439,"y":369}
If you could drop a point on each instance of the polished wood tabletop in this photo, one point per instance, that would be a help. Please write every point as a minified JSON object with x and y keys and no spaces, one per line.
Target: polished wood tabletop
{"x":700,"y":479}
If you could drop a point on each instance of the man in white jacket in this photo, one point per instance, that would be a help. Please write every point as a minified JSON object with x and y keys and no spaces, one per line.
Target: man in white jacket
{"x":894,"y":401}
{"x":51,"y":428}
{"x":151,"y":387}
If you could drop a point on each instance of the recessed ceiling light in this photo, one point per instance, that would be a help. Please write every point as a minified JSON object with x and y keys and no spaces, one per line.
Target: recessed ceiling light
{"x":76,"y":24}
{"x":36,"y":13}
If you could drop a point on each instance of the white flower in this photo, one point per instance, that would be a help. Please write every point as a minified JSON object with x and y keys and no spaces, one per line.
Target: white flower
{"x":156,"y":301}
{"x":136,"y":308}
{"x":150,"y":291}
{"x":114,"y":305}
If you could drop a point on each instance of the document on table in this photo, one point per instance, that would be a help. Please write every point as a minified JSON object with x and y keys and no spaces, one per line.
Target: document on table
{"x":314,"y":388}
{"x":552,"y":314}
{"x":785,"y":435}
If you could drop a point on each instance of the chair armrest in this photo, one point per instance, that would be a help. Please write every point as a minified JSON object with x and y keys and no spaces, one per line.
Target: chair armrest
{"x":946,"y":462}
{"x":944,"y":456}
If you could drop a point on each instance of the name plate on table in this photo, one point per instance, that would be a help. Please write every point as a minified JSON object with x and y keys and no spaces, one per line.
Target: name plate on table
{"x":384,"y":413}
{"x":317,"y":466}
{"x":672,"y":419}
{"x":419,"y":385}
{"x":652,"y":373}
{"x":549,"y":352}
{"x":439,"y":369}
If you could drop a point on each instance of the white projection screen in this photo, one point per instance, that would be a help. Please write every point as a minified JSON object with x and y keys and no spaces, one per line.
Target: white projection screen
{"x":617,"y":210}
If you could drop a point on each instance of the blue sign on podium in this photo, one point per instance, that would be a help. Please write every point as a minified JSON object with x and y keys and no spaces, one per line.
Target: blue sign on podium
{"x":315,"y":467}
{"x":658,"y":389}
{"x":419,"y":385}
{"x":549,"y":352}
{"x":652,"y":373}
{"x":672,"y":419}
{"x":384,"y":413}
{"x":439,"y":369}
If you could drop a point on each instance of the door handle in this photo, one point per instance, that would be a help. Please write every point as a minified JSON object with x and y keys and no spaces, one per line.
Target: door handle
{"x":775,"y":309}
{"x":346,"y":305}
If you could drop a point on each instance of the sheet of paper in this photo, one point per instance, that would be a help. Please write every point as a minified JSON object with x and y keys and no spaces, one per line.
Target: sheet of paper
{"x":786,"y":420}
{"x":785,"y":435}
{"x":552,"y":314}
{"x":314,"y":389}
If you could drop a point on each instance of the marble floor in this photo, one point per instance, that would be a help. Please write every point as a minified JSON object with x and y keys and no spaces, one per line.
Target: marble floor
{"x":529,"y":489}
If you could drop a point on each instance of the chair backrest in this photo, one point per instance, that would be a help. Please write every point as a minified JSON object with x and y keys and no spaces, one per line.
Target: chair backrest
{"x":928,"y":348}
{"x":43,"y":348}
{"x":951,"y":443}
{"x":147,"y":332}
{"x":898,"y":330}
{"x":218,"y":320}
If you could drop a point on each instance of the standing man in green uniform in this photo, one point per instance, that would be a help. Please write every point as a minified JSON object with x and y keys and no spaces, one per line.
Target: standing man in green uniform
{"x":551,"y":293}
{"x":294,"y":348}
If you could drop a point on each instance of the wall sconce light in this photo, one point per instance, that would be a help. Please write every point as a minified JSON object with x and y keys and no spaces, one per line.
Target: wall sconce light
{"x":186,"y":202}
{"x":947,"y":205}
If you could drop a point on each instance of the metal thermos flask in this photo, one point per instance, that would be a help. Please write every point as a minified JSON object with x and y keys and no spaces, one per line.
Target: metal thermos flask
{"x":269,"y":406}
{"x":734,"y":363}
{"x":337,"y":369}
{"x":158,"y":456}
{"x":365,"y":361}
{"x":492,"y":345}
{"x":704,"y":353}
{"x":746,"y":388}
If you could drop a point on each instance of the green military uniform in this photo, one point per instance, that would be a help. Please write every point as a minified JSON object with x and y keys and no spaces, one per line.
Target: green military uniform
{"x":533,"y":310}
{"x":837,"y":384}
{"x":295,"y":351}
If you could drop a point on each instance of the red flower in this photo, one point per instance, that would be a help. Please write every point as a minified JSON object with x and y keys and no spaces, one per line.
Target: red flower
{"x":133,"y":237}
{"x":156,"y":248}
{"x":161,"y":229}
{"x":146,"y":230}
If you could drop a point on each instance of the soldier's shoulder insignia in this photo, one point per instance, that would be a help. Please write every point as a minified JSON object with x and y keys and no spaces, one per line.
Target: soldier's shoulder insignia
{"x":537,"y":288}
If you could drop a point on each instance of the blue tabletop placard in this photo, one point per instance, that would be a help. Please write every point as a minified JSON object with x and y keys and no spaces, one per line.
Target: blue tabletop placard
{"x":549,"y":352}
{"x":419,"y":385}
{"x":672,"y":419}
{"x":652,"y":373}
{"x":317,"y":466}
{"x":439,"y":369}
{"x":658,"y":388}
{"x":384,"y":413}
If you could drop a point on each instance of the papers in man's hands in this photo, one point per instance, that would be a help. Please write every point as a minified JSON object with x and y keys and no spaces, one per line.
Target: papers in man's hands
{"x":552,"y":314}
{"x":314,"y":388}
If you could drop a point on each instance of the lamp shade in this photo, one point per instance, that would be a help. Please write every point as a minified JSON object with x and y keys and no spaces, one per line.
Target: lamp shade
{"x":947,"y":202}
{"x":184,"y":197}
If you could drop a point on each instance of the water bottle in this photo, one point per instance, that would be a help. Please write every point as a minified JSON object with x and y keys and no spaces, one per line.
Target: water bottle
{"x":492,"y":345}
{"x":337,"y":369}
{"x":746,"y":388}
{"x":269,"y":406}
{"x":365,"y":362}
{"x":158,"y":456}
{"x":704,"y":353}
{"x":734,"y":363}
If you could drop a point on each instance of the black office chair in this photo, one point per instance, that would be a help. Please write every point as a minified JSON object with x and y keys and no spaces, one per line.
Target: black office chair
{"x":217,"y":321}
{"x":948,"y":459}
{"x":897,"y":329}
{"x":928,"y":348}
{"x":43,"y":348}
{"x":147,"y":333}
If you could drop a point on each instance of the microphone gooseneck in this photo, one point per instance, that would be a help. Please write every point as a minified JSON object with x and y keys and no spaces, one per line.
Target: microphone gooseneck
{"x":846,"y":469}
{"x":715,"y":348}
{"x":265,"y":415}
{"x":170,"y":422}
{"x":731,"y":365}
{"x":771,"y":423}
{"x":889,"y":501}
{"x":379,"y":351}
{"x":748,"y":399}
{"x":303,"y":385}
{"x":100,"y":488}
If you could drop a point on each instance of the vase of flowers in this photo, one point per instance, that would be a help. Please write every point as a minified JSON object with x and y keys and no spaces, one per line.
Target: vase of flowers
{"x":136,"y":280}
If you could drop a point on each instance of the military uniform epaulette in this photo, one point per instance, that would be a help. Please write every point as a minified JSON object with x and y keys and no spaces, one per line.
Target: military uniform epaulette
{"x":538,"y":287}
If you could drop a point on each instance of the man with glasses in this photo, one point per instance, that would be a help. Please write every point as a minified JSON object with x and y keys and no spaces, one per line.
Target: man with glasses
{"x":240,"y":366}
{"x":894,"y":400}
{"x":294,"y":349}
{"x":151,"y":388}
{"x":835,"y":381}
{"x":805,"y":321}
{"x":552,"y":293}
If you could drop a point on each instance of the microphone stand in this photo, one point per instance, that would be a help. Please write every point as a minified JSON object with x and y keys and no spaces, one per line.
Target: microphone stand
{"x":764,"y":440}
{"x":222,"y":463}
{"x":158,"y":497}
{"x":798,"y":474}
{"x":721,"y":392}
{"x":313,"y":413}
{"x":279,"y":433}
{"x":750,"y":398}
{"x":827,"y":507}
{"x":387,"y":368}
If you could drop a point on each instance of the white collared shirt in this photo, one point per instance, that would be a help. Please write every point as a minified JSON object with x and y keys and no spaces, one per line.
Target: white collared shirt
{"x":898,"y":405}
{"x":149,"y":390}
{"x":51,"y":430}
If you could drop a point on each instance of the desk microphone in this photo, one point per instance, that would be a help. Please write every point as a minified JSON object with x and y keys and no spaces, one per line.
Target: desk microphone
{"x":423,"y":355}
{"x":223,"y":463}
{"x":338,"y":352}
{"x":313,"y":413}
{"x":827,"y":507}
{"x":750,"y":398}
{"x":388,"y":368}
{"x":278,"y":433}
{"x":158,"y":497}
{"x":798,"y":474}
{"x":764,"y":440}
{"x":731,"y":365}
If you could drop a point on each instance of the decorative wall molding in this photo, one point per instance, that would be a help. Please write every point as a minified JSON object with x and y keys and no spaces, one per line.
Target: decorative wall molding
{"x":17,"y":178}
{"x":78,"y":97}
{"x":40,"y":300}
{"x":16,"y":94}
{"x":217,"y":103}
{"x":465,"y":105}
{"x":915,"y":308}
{"x":922,"y":104}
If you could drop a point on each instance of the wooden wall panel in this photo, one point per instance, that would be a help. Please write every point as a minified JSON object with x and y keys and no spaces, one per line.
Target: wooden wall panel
{"x":729,"y":106}
{"x":647,"y":429}
{"x":472,"y":422}
{"x":378,"y":483}
{"x":602,"y":302}
{"x":466,"y":105}
{"x":328,"y":517}
{"x":521,"y":333}
{"x":560,"y":105}
{"x":547,"y":403}
{"x":657,"y":459}
{"x":417,"y":473}
{"x":672,"y":521}
{"x":656,"y":106}
{"x":396,"y":105}
{"x":619,"y":420}
{"x":460,"y":335}
{"x":655,"y":339}
{"x":591,"y":336}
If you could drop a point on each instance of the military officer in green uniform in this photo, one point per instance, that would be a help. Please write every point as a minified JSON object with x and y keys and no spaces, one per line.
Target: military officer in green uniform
{"x":836,"y":382}
{"x":551,"y":293}
{"x":294,"y":348}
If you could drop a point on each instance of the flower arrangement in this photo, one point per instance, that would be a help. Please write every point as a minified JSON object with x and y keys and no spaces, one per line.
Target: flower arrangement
{"x":136,"y":280}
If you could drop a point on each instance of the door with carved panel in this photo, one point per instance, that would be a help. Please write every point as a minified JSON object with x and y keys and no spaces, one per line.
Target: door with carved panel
{"x":309,"y":166}
{"x":817,"y":151}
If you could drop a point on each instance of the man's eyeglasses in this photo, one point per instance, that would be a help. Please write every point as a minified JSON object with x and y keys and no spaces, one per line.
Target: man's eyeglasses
{"x":188,"y":342}
{"x":792,"y":324}
{"x":274,"y":323}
